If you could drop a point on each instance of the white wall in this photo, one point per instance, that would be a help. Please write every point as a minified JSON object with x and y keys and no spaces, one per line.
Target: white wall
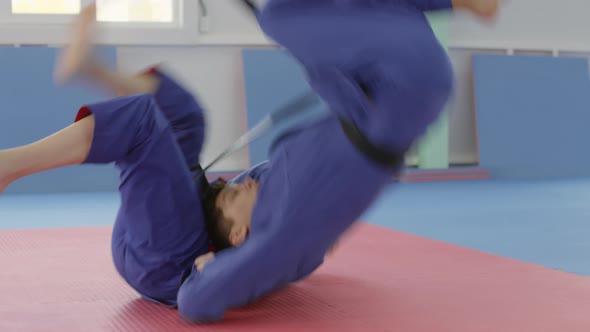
{"x":528,"y":24}
{"x":215,"y":75}
{"x":539,"y":27}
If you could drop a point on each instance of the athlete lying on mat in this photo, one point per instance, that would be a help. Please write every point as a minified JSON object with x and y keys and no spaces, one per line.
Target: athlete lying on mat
{"x":154,"y":132}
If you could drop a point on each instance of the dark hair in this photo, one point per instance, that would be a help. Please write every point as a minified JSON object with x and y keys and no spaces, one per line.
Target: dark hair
{"x":217,"y":225}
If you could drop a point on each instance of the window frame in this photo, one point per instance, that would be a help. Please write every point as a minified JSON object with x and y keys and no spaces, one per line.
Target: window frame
{"x":52,"y":29}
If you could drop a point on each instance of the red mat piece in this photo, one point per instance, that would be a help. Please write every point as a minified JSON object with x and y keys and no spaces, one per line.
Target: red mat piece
{"x":379,"y":280}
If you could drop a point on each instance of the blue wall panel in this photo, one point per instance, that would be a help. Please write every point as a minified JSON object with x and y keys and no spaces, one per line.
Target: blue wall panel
{"x":533,"y":114}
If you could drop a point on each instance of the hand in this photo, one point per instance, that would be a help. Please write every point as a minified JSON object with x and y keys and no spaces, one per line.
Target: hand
{"x":202,"y":260}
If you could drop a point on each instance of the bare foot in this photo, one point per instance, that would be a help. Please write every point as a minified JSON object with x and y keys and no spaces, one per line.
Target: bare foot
{"x":75,"y":56}
{"x":487,"y":9}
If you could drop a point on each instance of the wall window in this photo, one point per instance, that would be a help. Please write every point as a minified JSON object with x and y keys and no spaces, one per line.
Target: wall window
{"x":108,"y":10}
{"x":45,"y":7}
{"x":122,"y":22}
{"x":135,"y":10}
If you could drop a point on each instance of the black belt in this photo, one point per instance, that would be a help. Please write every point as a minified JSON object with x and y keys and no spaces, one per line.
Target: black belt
{"x":203,"y":183}
{"x":382,"y":157}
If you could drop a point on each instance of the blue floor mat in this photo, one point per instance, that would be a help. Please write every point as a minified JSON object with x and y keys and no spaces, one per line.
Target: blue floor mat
{"x":542,"y":222}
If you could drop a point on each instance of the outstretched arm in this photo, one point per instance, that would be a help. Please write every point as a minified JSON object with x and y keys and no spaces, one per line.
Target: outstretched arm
{"x":242,"y":275}
{"x":236,"y":277}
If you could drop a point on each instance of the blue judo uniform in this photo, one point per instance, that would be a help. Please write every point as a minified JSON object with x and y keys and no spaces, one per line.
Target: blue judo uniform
{"x":159,"y":229}
{"x":380,"y":69}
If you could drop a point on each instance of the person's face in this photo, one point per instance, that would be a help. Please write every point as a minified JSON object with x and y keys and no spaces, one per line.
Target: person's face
{"x":236,"y":202}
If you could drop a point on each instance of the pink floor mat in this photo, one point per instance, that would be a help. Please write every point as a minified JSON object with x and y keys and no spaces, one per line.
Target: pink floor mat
{"x":379,"y":280}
